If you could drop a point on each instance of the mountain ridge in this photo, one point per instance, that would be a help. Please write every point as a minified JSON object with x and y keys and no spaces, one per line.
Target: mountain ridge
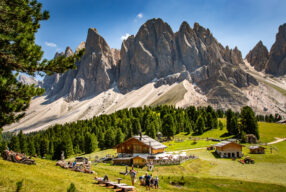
{"x":155,"y":66}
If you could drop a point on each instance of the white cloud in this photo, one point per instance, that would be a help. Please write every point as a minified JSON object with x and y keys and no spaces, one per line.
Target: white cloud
{"x":140,"y":15}
{"x":50,"y":44}
{"x":123,"y":37}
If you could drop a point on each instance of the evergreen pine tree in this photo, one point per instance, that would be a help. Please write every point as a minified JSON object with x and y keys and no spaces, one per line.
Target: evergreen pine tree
{"x":248,"y":121}
{"x":100,"y":138}
{"x":23,"y":143}
{"x":209,"y":121}
{"x":188,"y":127}
{"x":3,"y":146}
{"x":151,"y":130}
{"x":200,"y":125}
{"x":51,"y":148}
{"x":234,"y":125}
{"x":44,"y":150}
{"x":229,"y":115}
{"x":136,"y":126}
{"x":119,"y":136}
{"x":109,"y":138}
{"x":67,"y":146}
{"x":31,"y":147}
{"x":168,"y":126}
{"x":14,"y":144}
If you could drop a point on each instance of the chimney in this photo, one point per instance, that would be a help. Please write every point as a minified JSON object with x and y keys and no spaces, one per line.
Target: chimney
{"x":150,"y":150}
{"x":140,"y":136}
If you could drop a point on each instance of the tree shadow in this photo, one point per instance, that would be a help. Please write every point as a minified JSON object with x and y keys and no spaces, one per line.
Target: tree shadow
{"x":215,"y":155}
{"x":225,"y":135}
{"x":196,"y":134}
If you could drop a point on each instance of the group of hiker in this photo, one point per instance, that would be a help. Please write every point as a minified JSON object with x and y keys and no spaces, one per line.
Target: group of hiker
{"x":145,"y":180}
{"x":149,"y":181}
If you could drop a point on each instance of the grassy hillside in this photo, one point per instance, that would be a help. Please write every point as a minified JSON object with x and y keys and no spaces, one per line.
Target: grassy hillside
{"x":45,"y":176}
{"x":207,"y":173}
{"x":172,"y":96}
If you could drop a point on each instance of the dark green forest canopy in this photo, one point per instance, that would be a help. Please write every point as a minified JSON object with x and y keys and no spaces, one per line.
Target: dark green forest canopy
{"x":106,"y":131}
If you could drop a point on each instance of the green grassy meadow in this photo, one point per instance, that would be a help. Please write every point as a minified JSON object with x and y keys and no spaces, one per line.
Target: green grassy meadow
{"x":207,"y":173}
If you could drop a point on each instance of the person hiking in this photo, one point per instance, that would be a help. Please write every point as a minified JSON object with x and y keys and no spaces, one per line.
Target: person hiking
{"x":151,"y":181}
{"x":147,"y":181}
{"x":105,"y":178}
{"x":141,"y":178}
{"x":156,"y":182}
{"x":132,"y":175}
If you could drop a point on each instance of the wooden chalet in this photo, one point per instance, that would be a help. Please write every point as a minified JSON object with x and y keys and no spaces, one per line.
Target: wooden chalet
{"x":137,"y":150}
{"x":256,"y":150}
{"x":229,"y":149}
{"x":140,"y":144}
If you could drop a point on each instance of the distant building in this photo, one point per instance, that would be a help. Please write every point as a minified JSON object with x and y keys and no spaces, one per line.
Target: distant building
{"x":228,"y":149}
{"x":250,"y":138}
{"x":256,"y":150}
{"x":137,"y":150}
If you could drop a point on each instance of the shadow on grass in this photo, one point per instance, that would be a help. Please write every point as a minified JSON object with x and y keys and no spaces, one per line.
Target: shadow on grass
{"x":225,"y":135}
{"x":215,"y":155}
{"x":196,"y":134}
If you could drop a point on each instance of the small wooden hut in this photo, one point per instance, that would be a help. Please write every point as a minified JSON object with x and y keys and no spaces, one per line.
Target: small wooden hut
{"x":228,"y":149}
{"x":256,"y":150}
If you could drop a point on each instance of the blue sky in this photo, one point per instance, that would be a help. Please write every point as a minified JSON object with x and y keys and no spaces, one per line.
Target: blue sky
{"x":240,"y":23}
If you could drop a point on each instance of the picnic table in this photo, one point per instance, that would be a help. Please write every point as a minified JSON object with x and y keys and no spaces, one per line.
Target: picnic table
{"x":119,"y":179}
{"x":119,"y":186}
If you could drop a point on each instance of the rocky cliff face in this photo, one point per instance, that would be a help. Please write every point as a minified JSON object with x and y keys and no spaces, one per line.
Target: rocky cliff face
{"x":258,"y":56}
{"x":95,"y":71}
{"x":155,"y":52}
{"x":276,"y":64}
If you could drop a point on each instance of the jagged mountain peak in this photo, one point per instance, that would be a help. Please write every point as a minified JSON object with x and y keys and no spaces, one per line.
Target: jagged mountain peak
{"x":80,"y":47}
{"x":258,"y":56}
{"x":95,"y":42}
{"x":68,"y":52}
{"x":276,"y":64}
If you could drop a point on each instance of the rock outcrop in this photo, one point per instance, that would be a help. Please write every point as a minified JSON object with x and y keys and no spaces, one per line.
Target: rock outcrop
{"x":95,"y":71}
{"x":258,"y":56}
{"x":276,"y":64}
{"x":28,"y":80}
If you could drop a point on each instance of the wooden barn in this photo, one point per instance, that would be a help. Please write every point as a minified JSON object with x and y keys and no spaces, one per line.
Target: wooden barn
{"x":140,"y":144}
{"x":256,"y":150}
{"x":228,"y":149}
